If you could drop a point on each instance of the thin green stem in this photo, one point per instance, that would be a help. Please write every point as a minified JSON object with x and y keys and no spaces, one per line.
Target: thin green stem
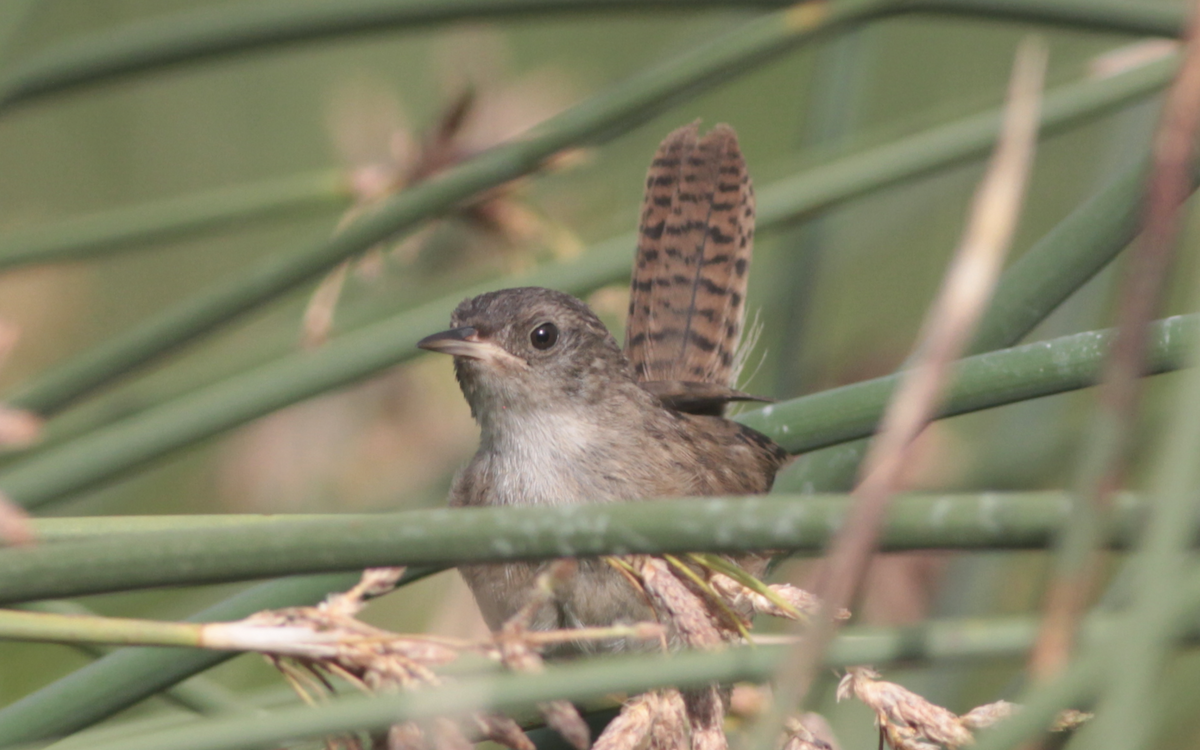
{"x":129,"y":675}
{"x":1085,"y":677}
{"x":125,"y":228}
{"x":452,"y":536}
{"x":17,"y":625}
{"x":814,"y":190}
{"x":1128,"y":715}
{"x":90,"y":527}
{"x":209,"y":34}
{"x":593,"y":121}
{"x":853,"y":176}
{"x":198,"y":694}
{"x":601,"y":118}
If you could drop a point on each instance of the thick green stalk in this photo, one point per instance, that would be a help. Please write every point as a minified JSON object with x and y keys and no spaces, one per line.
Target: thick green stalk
{"x":1071,"y":254}
{"x":16,"y":625}
{"x":827,"y":185}
{"x":593,"y":121}
{"x":198,"y":694}
{"x":1087,"y":674}
{"x":579,"y":681}
{"x":919,"y":521}
{"x":822,"y":419}
{"x":90,"y":527}
{"x":1127,"y":716}
{"x":208,"y":34}
{"x":980,"y":382}
{"x":123,"y":228}
{"x":450,"y":536}
{"x":1036,"y":284}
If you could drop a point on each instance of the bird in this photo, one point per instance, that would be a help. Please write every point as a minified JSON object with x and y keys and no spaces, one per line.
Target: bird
{"x":568,"y":416}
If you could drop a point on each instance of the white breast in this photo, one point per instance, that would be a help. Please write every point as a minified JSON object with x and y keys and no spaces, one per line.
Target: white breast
{"x":538,"y":458}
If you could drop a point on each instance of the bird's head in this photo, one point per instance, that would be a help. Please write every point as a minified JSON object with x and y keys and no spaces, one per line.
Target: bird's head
{"x":529,"y":349}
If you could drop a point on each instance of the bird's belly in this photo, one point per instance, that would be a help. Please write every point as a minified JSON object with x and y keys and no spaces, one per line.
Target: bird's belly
{"x":596,"y":596}
{"x":554,"y":474}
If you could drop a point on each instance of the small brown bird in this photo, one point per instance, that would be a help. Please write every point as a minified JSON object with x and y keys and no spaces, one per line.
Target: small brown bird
{"x":567,"y":417}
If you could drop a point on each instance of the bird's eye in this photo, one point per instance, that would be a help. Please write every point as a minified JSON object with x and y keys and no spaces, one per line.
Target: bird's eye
{"x":544,"y":336}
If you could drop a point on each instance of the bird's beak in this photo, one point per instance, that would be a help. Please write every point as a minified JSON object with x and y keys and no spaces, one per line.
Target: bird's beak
{"x":459,"y":342}
{"x":465,"y":342}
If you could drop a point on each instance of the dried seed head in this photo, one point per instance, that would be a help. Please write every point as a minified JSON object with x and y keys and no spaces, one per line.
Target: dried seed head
{"x":908,"y":721}
{"x":670,"y":728}
{"x":686,"y":612}
{"x":801,"y":736}
{"x":564,"y":718}
{"x":631,"y":726}
{"x":988,"y":714}
{"x":1070,"y":720}
{"x":503,"y":730}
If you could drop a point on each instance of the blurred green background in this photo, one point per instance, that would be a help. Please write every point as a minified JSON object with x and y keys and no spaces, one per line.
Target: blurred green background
{"x":840,"y":295}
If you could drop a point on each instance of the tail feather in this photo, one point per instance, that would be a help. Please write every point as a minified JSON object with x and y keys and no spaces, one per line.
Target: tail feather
{"x":695,"y":241}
